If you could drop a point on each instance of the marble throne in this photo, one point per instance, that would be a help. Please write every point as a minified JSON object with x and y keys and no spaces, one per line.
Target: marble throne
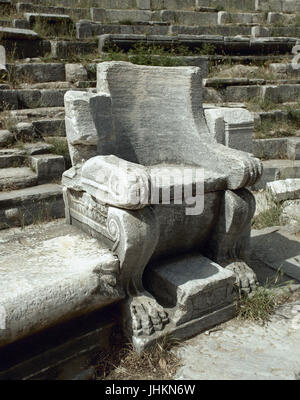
{"x":176,"y":265}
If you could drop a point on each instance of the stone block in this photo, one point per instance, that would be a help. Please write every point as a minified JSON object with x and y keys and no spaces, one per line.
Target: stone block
{"x":6,"y":138}
{"x":143,"y":4}
{"x":63,"y":49}
{"x":260,"y":31}
{"x":189,"y":17}
{"x":8,"y":100}
{"x":75,"y":72}
{"x":293,"y":148}
{"x":274,"y":170}
{"x":240,"y":94}
{"x":191,"y":287}
{"x":232,"y":127}
{"x":32,"y":18}
{"x":39,"y":72}
{"x":288,"y":189}
{"x":281,"y":93}
{"x":290,"y":214}
{"x":65,"y":285}
{"x":48,"y":167}
{"x":223,"y":17}
{"x":21,"y":23}
{"x":270,"y":148}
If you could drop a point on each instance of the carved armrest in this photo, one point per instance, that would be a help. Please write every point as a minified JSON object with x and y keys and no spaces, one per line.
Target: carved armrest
{"x":116,"y":182}
{"x":241,"y":169}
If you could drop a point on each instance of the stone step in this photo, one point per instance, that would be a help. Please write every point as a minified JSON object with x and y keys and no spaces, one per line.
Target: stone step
{"x":219,"y":44}
{"x":32,"y":98}
{"x":274,"y":170}
{"x":29,"y":205}
{"x":274,"y":148}
{"x":278,"y":115}
{"x":22,"y":43}
{"x":246,"y":93}
{"x":34,"y":114}
{"x":16,"y":178}
{"x":69,"y":317}
{"x":34,"y":8}
{"x":5,"y":23}
{"x":86,"y":29}
{"x":51,"y":19}
{"x":54,"y":73}
{"x":48,"y":167}
{"x":12,"y":158}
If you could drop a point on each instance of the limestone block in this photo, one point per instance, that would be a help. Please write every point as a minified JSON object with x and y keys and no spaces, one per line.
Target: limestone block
{"x":40,"y":72}
{"x":268,"y":5}
{"x":143,"y":4}
{"x":192,"y":286}
{"x":270,"y":148}
{"x":75,"y":72}
{"x":8,"y":99}
{"x":25,"y":131}
{"x":293,"y":148}
{"x":288,"y":189}
{"x":260,"y":31}
{"x":222,"y":17}
{"x":48,"y":166}
{"x":21,"y":23}
{"x":232,"y":127}
{"x":275,"y":17}
{"x":16,"y":34}
{"x":291,"y":213}
{"x":6,"y":137}
{"x":240,"y":94}
{"x":88,"y":125}
{"x":281,"y":93}
{"x":37,"y":295}
{"x":47,"y":18}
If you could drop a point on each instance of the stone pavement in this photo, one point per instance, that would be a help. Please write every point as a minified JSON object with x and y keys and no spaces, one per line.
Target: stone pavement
{"x":239,"y":350}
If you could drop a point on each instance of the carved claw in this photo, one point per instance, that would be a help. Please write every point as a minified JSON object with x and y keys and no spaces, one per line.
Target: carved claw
{"x":147,"y":315}
{"x":246,"y":279}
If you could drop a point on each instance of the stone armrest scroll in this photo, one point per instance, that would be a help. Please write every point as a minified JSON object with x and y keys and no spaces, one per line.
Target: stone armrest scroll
{"x":116,"y":182}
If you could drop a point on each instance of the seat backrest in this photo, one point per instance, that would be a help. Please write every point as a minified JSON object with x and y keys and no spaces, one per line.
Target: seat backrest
{"x":157,"y":112}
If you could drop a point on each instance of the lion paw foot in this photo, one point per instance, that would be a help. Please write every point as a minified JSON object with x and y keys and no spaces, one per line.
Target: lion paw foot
{"x":147,"y":315}
{"x":246,"y":279}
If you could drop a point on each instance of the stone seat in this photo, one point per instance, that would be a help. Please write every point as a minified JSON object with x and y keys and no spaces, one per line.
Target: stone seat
{"x":137,"y":136}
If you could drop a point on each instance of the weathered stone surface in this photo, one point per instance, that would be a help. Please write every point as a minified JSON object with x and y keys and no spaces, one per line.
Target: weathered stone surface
{"x":8,"y":100}
{"x":288,"y":189}
{"x":63,"y":49}
{"x":38,"y":72}
{"x":242,"y":350}
{"x":136,"y":129}
{"x":232,"y":127}
{"x":281,"y":93}
{"x":47,"y":18}
{"x":293,"y":148}
{"x":48,"y":167}
{"x":260,"y":31}
{"x":21,"y":23}
{"x":290,"y":214}
{"x":6,"y":138}
{"x":17,"y":178}
{"x":17,"y":34}
{"x":193,"y":286}
{"x":270,"y":148}
{"x":277,"y":170}
{"x":278,"y":249}
{"x":66,"y":284}
{"x":75,"y":72}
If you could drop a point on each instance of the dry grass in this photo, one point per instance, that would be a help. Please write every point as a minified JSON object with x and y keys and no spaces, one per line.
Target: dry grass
{"x":123,"y":363}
